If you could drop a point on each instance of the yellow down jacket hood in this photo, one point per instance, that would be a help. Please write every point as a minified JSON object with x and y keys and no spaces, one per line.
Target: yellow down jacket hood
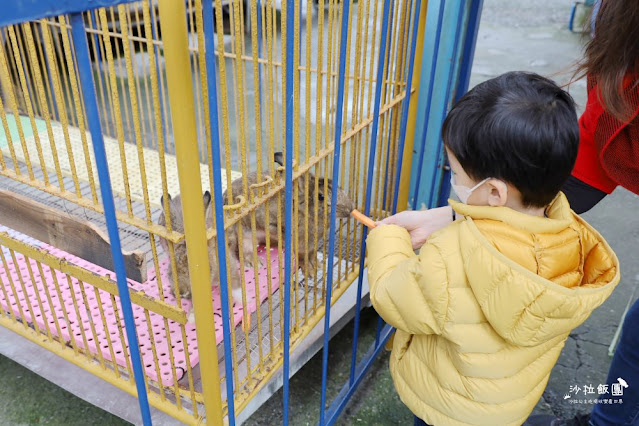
{"x":483,"y":311}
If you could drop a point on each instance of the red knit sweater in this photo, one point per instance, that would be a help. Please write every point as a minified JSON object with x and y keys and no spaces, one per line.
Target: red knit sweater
{"x":608,"y":148}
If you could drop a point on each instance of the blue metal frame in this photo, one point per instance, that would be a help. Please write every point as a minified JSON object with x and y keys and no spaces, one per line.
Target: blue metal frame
{"x":427,"y":80}
{"x":390,"y":118}
{"x":358,"y":372}
{"x":439,"y":169}
{"x":468,"y":55}
{"x":259,"y":55}
{"x":571,"y":19}
{"x":18,"y":11}
{"x":369,"y":182}
{"x":85,"y":73}
{"x":339,"y":116}
{"x":406,"y":106}
{"x":209,"y":31}
{"x":288,"y":196}
{"x":362,"y":368}
{"x":448,"y":60}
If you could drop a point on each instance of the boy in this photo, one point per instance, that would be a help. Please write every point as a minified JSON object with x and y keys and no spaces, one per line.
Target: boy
{"x":483,"y":311}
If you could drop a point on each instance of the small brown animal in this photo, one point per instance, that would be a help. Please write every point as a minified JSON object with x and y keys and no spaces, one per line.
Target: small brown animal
{"x":307,"y":206}
{"x":181,"y":260}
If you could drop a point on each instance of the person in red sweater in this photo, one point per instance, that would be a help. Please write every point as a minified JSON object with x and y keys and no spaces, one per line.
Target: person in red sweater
{"x":608,"y":157}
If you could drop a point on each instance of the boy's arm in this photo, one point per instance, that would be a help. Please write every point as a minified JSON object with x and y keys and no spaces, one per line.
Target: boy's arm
{"x":421,"y":223}
{"x":409,"y":291}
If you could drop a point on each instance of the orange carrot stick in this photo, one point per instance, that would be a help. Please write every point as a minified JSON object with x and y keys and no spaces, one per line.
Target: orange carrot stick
{"x":367,"y":221}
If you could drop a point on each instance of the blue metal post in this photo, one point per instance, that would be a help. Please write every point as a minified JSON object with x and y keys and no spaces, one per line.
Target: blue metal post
{"x":369,"y":181}
{"x":18,"y":11}
{"x":259,"y":55}
{"x":365,"y":364}
{"x":209,"y":34}
{"x":93,"y":118}
{"x":468,"y":56}
{"x":428,"y":80}
{"x":452,"y":71}
{"x":380,"y":321}
{"x":336,"y":160}
{"x":288,"y":197}
{"x":455,"y":24}
{"x":390,"y":118}
{"x":406,"y":106}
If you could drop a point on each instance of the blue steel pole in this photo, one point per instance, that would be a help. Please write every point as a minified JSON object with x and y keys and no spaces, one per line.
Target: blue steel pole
{"x":369,"y":181}
{"x":259,"y":55}
{"x":390,"y":119}
{"x":288,"y":198}
{"x":468,"y":55}
{"x":405,"y":108}
{"x":209,"y":33}
{"x":429,"y":97}
{"x":336,"y":159}
{"x":380,"y":321}
{"x":347,"y":391}
{"x":93,"y":118}
{"x":439,"y":164}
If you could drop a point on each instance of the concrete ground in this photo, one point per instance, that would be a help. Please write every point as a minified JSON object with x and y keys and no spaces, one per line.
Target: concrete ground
{"x":514,"y":35}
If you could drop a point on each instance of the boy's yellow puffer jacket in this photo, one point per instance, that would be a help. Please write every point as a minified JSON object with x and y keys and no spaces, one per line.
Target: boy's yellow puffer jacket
{"x":483,"y":311}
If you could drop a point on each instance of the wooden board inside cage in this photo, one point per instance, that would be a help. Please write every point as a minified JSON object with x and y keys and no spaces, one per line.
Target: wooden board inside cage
{"x":67,"y":233}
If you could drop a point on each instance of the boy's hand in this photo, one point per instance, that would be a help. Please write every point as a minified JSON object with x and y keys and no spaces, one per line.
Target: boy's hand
{"x":420,"y":224}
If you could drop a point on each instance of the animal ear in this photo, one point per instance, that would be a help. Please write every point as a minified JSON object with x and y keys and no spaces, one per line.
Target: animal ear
{"x":278,"y":157}
{"x":329,"y":183}
{"x":207,"y":198}
{"x":162,"y":199}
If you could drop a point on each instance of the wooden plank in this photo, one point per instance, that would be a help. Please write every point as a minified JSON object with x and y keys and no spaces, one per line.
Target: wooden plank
{"x":59,"y":229}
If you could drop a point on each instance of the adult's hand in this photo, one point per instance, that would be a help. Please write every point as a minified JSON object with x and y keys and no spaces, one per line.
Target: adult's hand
{"x":421,"y":223}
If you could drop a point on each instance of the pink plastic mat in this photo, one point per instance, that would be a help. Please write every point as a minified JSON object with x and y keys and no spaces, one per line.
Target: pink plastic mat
{"x":75,"y":327}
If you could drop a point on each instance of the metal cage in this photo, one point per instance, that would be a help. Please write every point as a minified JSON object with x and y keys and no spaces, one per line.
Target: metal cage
{"x":194,"y":303}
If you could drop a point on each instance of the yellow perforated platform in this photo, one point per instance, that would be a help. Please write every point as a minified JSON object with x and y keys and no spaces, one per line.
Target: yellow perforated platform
{"x":120,"y":175}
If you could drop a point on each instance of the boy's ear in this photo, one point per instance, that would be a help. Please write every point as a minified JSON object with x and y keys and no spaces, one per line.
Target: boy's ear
{"x":497,"y":192}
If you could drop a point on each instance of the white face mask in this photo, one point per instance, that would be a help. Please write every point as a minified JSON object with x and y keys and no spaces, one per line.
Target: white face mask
{"x":463,"y":192}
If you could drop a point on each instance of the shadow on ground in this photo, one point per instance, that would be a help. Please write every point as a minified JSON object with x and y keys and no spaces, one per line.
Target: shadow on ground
{"x":26,"y":398}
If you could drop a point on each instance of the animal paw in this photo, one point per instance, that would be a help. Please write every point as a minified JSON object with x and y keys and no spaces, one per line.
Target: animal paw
{"x":236,"y":293}
{"x":246,"y":326}
{"x":248,"y":263}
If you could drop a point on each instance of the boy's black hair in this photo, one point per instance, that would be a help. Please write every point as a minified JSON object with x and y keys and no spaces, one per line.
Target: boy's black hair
{"x":519,"y":127}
